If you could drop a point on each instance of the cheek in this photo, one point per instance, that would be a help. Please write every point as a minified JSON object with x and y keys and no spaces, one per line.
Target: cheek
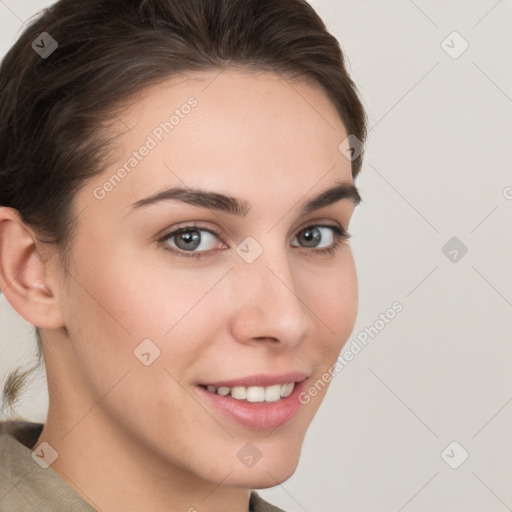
{"x":334,"y":304}
{"x":114,"y":306}
{"x":111,"y":309}
{"x":334,"y":308}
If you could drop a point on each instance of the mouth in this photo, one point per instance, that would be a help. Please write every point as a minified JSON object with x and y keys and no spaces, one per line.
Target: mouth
{"x":258,"y":402}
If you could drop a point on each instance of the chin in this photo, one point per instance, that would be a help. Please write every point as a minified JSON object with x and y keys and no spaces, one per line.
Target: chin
{"x":263,"y":476}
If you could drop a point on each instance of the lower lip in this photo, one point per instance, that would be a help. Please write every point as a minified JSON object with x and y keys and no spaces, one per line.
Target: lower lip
{"x":257,"y":415}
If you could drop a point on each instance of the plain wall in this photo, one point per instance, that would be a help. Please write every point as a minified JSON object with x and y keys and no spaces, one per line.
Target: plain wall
{"x":437,"y":166}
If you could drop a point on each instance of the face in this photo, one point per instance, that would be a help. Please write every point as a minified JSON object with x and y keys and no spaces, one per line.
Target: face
{"x":247,"y":302}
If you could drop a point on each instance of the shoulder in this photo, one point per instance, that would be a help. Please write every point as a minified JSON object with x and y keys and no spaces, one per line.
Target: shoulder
{"x":258,"y":504}
{"x":16,"y":440}
{"x":24,"y":484}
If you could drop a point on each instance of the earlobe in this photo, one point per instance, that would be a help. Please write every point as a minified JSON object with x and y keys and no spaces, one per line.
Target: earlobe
{"x":24,"y":275}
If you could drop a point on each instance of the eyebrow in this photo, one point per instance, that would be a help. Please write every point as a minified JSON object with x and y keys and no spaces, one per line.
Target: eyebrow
{"x":221,"y":202}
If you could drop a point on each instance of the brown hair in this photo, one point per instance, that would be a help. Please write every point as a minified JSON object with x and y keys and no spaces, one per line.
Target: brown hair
{"x":54,"y":111}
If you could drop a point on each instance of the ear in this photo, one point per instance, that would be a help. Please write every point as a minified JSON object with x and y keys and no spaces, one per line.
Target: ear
{"x":25,"y":279}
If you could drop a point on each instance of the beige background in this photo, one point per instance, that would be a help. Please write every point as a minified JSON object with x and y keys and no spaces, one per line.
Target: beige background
{"x":437,"y":166}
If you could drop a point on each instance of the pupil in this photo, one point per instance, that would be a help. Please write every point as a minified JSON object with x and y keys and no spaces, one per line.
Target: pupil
{"x":311,"y":235}
{"x":190,"y":240}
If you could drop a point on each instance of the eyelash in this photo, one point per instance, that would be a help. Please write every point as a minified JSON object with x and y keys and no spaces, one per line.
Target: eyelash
{"x":340,"y":236}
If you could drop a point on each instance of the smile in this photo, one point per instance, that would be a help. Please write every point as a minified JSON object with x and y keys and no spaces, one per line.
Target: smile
{"x":258,"y":402}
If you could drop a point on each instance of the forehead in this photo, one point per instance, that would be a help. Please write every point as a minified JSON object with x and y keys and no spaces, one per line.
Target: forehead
{"x":234,"y":131}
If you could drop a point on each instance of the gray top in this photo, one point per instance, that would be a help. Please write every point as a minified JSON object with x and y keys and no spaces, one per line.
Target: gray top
{"x":27,"y":487}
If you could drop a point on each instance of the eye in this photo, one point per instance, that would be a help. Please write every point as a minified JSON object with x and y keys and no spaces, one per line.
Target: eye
{"x":185,"y":241}
{"x":311,"y":235}
{"x":189,"y":238}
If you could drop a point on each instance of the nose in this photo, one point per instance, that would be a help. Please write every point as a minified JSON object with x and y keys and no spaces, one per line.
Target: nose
{"x":270,"y":301}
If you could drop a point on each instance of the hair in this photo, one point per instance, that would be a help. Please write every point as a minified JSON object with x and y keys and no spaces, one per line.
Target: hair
{"x":55,"y":111}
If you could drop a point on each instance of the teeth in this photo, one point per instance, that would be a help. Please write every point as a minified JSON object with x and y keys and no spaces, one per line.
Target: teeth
{"x":223,"y":391}
{"x":286,"y":389}
{"x":273,"y":393}
{"x":255,"y":393}
{"x":239,"y":392}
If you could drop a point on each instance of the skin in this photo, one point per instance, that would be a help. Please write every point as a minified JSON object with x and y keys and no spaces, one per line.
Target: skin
{"x":132,"y":437}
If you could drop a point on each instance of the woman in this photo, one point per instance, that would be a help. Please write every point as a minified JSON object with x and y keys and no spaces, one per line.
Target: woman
{"x":176,"y":181}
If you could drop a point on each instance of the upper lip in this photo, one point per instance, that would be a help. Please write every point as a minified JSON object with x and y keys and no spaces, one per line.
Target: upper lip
{"x":263,"y":380}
